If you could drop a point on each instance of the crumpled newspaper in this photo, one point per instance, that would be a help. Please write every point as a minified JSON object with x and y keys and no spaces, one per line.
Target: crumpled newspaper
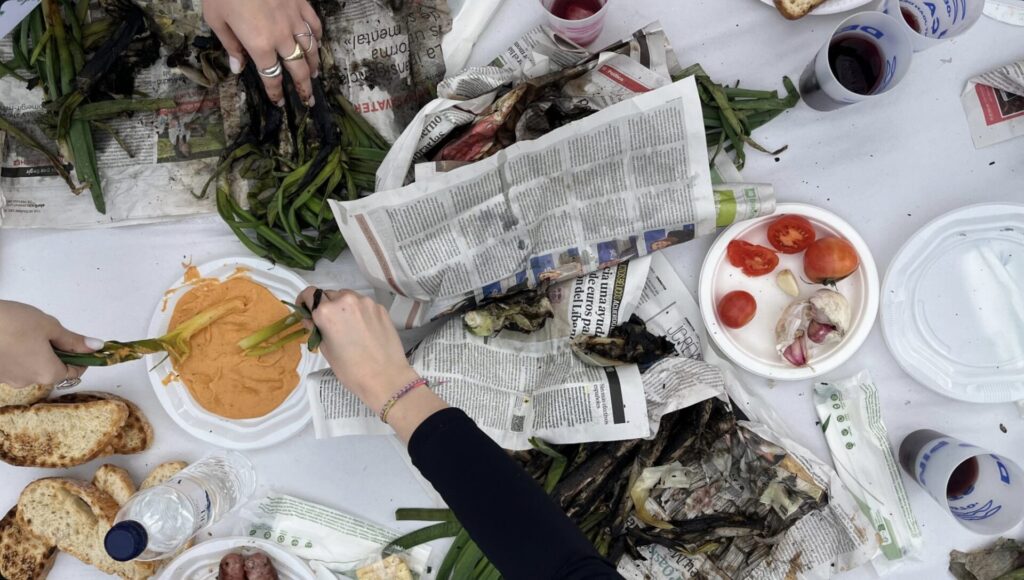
{"x":1003,"y":561}
{"x":994,"y":104}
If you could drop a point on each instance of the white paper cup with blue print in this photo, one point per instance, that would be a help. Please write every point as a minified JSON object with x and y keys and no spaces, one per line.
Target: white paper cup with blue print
{"x":931,"y":22}
{"x":889,"y":55}
{"x":982,"y":490}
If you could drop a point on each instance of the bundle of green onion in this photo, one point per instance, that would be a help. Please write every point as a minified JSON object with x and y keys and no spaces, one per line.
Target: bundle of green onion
{"x":281,"y":333}
{"x":731,"y":114}
{"x":177,"y":343}
{"x":71,"y":57}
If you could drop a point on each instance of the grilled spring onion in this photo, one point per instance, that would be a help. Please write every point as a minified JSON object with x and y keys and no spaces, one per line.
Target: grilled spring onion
{"x":262,"y":341}
{"x":175,"y":343}
{"x":333,"y":154}
{"x":731,"y":114}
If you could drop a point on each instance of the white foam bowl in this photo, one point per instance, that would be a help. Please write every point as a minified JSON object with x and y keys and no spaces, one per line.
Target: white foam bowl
{"x":286,"y":420}
{"x":753,"y":346}
{"x":202,"y":562}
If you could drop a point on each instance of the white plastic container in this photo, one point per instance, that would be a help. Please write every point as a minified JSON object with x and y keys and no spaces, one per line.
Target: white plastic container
{"x":286,"y":420}
{"x":202,"y":561}
{"x":753,"y":346}
{"x":157,"y":522}
{"x":953,"y":304}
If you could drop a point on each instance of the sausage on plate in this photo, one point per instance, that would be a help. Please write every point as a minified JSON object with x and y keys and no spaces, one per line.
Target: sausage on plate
{"x":232,"y":567}
{"x":259,"y":567}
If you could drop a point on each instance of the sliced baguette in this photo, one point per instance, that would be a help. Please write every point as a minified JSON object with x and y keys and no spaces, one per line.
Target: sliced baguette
{"x":55,"y":435}
{"x":32,"y":394}
{"x":115,"y":482}
{"x":162,"y":473}
{"x":23,"y":555}
{"x":795,"y":9}
{"x":75,"y":516}
{"x":137,"y":435}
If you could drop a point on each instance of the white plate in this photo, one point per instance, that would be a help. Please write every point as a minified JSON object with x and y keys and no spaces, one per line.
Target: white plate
{"x":753,"y":346}
{"x":283,"y":422}
{"x":831,"y":6}
{"x":953,"y":304}
{"x":202,"y":561}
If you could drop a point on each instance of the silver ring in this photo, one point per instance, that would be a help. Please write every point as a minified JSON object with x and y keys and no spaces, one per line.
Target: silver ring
{"x":309,"y":33}
{"x":67,"y":384}
{"x":271,"y":71}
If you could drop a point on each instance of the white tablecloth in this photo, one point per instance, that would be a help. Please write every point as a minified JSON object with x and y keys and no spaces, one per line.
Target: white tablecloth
{"x":887,"y":167}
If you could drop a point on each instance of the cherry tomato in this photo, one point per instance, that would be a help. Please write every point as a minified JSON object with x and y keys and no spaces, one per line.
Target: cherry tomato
{"x":754,"y":260}
{"x":736,"y":309}
{"x":791,"y":234}
{"x":829,"y":260}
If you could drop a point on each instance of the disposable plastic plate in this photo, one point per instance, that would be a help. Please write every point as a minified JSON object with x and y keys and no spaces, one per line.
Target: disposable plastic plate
{"x":202,"y":561}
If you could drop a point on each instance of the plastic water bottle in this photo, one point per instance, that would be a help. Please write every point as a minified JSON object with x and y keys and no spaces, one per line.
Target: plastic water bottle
{"x":155,"y":523}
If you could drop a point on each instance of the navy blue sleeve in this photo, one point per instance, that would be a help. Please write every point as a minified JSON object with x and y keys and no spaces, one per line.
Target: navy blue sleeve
{"x":516,"y":525}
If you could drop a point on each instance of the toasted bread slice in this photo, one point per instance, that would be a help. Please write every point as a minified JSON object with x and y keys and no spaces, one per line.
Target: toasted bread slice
{"x":794,"y":9}
{"x":75,"y":516}
{"x":23,"y":555}
{"x":31,"y":394}
{"x":55,"y":435}
{"x":137,"y":435}
{"x":115,"y":482}
{"x":162,"y":473}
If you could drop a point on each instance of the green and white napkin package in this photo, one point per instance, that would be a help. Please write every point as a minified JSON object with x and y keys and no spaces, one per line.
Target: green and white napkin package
{"x":851,"y":420}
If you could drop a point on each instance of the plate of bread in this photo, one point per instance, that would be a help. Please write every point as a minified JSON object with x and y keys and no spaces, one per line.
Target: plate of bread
{"x":796,"y":9}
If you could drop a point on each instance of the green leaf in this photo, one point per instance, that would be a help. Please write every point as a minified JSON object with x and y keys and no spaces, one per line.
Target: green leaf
{"x":422,"y":536}
{"x":444,"y":572}
{"x":425,"y":514}
{"x":557,"y":466}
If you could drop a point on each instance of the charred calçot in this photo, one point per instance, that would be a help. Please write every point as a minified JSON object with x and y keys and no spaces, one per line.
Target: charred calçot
{"x":823,"y":319}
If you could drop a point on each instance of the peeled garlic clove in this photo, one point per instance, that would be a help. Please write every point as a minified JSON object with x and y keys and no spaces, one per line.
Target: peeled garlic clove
{"x":829,"y":309}
{"x":787,"y":282}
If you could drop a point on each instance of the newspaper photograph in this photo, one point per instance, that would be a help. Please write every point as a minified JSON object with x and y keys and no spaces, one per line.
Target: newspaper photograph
{"x":994,"y":104}
{"x":154,"y":174}
{"x":629,"y":180}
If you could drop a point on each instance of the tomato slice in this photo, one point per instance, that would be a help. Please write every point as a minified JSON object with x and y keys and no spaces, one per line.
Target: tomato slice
{"x":791,"y":234}
{"x":754,"y":260}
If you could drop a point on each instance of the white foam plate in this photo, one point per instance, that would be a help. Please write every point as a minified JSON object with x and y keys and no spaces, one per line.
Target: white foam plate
{"x":284,"y":421}
{"x":753,"y":346}
{"x":953,"y":304}
{"x":831,"y":6}
{"x":202,"y":561}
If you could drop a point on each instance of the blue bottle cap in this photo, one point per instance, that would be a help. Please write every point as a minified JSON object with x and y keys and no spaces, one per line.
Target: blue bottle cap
{"x":126,"y":541}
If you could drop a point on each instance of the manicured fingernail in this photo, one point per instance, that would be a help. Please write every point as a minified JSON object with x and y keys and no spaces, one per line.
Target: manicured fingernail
{"x":280,"y":103}
{"x":94,"y":343}
{"x":311,"y":102}
{"x":235,"y":64}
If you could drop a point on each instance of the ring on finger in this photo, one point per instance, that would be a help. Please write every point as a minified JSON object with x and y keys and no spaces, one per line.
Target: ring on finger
{"x":308,"y":33}
{"x":271,"y":71}
{"x":68,"y":382}
{"x":297,"y":54}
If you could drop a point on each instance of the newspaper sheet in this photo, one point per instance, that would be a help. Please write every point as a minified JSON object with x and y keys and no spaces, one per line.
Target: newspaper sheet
{"x":837,"y":534}
{"x":627,"y":181}
{"x":170,"y":154}
{"x":994,"y":104}
{"x":12,"y":12}
{"x":516,"y":386}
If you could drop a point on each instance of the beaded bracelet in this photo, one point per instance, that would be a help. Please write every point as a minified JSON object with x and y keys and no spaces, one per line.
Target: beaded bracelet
{"x":398,"y":395}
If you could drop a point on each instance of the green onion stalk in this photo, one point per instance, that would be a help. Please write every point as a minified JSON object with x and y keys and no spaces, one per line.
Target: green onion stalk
{"x":282,"y":333}
{"x":177,"y":343}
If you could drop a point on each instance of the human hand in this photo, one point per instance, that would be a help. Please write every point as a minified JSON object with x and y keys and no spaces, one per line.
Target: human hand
{"x":269,"y":31}
{"x":28,"y":338}
{"x":360,"y":343}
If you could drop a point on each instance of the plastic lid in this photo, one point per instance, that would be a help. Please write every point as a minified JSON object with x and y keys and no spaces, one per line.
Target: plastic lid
{"x":126,"y":541}
{"x":953,"y":304}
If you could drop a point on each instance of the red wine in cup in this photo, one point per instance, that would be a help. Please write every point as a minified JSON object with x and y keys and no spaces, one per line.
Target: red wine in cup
{"x":911,"y":18}
{"x":856,"y":63}
{"x":963,"y":477}
{"x":575,"y":9}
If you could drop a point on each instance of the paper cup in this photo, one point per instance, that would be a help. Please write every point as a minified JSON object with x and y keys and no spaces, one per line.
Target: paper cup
{"x":819,"y":86}
{"x":990,"y":502}
{"x":929,"y":23}
{"x":583,"y":31}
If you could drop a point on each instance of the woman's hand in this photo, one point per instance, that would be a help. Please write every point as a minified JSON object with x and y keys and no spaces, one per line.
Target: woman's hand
{"x":28,"y":338}
{"x":363,"y":348}
{"x":269,"y":31}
